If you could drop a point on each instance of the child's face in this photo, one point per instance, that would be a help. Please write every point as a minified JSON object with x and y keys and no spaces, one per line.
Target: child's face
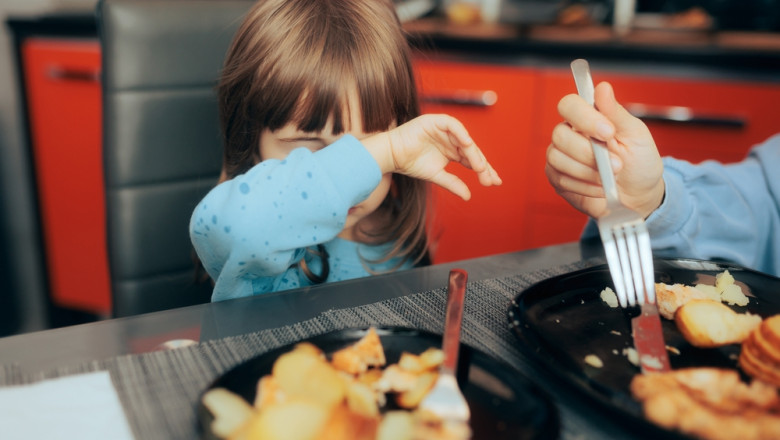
{"x":278,"y":144}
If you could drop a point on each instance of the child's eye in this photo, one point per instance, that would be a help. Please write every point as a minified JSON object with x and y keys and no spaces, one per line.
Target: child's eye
{"x":314,"y":144}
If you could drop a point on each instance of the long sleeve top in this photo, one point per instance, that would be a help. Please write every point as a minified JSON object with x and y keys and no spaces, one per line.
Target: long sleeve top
{"x":251,"y":230}
{"x":715,"y":211}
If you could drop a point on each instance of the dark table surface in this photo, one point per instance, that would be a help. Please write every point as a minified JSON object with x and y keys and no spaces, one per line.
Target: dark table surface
{"x":48,"y":349}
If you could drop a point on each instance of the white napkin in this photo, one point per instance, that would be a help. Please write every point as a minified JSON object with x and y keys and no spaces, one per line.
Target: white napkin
{"x":83,"y":406}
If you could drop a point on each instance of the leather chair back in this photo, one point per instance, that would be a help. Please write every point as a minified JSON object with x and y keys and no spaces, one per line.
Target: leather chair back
{"x":161,"y":141}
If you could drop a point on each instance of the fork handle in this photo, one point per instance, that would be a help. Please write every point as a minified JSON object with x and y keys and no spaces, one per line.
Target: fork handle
{"x":584,"y":82}
{"x":456,"y":293}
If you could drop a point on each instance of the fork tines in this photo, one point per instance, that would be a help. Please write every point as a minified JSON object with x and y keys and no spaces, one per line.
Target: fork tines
{"x":625,"y":244}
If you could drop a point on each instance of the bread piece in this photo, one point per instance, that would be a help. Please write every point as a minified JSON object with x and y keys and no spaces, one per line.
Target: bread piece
{"x":764,"y":345}
{"x":770,"y":330}
{"x":760,"y":356}
{"x":671,"y":297}
{"x":707,"y":323}
{"x":751,"y":363}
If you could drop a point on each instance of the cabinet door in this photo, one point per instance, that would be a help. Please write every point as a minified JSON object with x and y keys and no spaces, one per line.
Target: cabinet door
{"x":495,"y":105}
{"x":63,"y":97}
{"x":690,"y":119}
{"x":551,"y":220}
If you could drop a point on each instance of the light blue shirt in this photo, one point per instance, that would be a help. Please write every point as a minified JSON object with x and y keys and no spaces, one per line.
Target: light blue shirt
{"x":715,"y":211}
{"x":251,"y":230}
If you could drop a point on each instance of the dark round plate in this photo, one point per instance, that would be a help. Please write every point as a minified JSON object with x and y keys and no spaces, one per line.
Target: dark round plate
{"x":503,"y":404}
{"x":561,"y":320}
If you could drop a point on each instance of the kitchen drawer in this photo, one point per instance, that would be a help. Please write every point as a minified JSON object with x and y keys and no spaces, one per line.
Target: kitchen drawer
{"x":62,"y":80}
{"x":493,"y":102}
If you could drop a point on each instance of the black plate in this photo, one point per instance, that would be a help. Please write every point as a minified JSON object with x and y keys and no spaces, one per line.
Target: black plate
{"x":504,"y":405}
{"x":563,"y":319}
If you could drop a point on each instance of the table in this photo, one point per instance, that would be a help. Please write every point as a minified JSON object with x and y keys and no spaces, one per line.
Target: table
{"x":231,"y":331}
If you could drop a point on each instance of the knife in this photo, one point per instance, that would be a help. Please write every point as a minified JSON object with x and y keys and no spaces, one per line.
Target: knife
{"x":649,"y":340}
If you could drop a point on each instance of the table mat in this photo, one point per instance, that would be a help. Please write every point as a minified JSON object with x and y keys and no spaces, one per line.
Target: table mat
{"x":159,"y":390}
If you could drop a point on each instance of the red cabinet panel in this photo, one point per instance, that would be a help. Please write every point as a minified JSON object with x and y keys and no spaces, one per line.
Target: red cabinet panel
{"x":63,"y":97}
{"x":490,"y":222}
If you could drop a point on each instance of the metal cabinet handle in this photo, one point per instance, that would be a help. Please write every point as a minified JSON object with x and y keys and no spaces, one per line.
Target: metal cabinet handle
{"x":472,"y":98}
{"x":684,"y":115}
{"x":58,"y":73}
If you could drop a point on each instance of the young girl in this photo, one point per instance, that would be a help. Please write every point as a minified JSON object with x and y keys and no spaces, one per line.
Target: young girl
{"x":326,"y":161}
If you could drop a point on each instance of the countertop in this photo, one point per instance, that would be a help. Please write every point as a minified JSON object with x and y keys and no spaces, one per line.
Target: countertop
{"x":703,"y":52}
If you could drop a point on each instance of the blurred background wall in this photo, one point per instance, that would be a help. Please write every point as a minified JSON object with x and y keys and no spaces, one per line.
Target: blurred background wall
{"x":22,"y":282}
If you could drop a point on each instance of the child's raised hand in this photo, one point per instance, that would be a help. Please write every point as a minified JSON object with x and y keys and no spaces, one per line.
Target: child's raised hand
{"x":571,"y":167}
{"x":423,"y":147}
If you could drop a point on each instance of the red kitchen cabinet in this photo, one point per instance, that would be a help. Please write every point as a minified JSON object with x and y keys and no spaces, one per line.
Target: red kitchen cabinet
{"x":725,"y":119}
{"x":62,"y":83}
{"x":495,"y":104}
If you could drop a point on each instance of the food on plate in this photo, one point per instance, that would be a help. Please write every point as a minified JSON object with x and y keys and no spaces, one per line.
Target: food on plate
{"x":706,"y":402}
{"x":632,"y":355}
{"x":700,"y":314}
{"x":360,"y":356}
{"x":670,"y":297}
{"x":608,"y":296}
{"x":730,"y":292}
{"x":229,"y":409}
{"x":708,"y":323}
{"x":594,"y":361}
{"x":709,"y":403}
{"x":760,"y":354}
{"x":308,"y":396}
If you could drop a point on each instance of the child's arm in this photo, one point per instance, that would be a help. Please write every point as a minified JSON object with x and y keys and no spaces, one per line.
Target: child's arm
{"x":256,"y":224}
{"x":423,"y":147}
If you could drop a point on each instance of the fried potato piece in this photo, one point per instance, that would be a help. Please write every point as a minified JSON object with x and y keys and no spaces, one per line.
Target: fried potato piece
{"x":396,"y":425}
{"x":345,"y":424}
{"x":395,"y":379}
{"x":268,"y":392}
{"x":303,"y":373}
{"x":360,"y":356}
{"x":707,"y":323}
{"x":294,"y":419}
{"x":362,"y":400}
{"x":231,"y":412}
{"x":425,"y":361}
{"x":370,"y":377}
{"x":411,"y":398}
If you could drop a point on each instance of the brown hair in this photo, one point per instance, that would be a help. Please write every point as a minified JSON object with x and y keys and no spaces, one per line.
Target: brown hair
{"x":295,"y":61}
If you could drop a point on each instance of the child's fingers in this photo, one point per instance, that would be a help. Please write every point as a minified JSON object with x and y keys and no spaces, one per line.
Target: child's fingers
{"x":476,"y":161}
{"x":471,"y":156}
{"x":489,"y":177}
{"x":585,"y":118}
{"x":452,"y":183}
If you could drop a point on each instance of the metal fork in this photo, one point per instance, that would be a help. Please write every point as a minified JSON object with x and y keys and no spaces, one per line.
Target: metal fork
{"x":445,"y":399}
{"x":623,"y":231}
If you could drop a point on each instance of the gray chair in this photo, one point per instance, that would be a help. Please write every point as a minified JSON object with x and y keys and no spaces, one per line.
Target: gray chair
{"x":161,"y":141}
